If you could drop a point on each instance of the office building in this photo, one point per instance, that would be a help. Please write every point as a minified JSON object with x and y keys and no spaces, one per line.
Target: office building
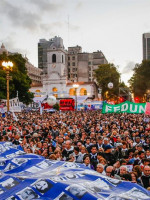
{"x":81,"y":65}
{"x":146,"y":46}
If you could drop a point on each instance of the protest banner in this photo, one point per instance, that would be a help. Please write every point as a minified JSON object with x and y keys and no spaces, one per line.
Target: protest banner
{"x":125,"y":107}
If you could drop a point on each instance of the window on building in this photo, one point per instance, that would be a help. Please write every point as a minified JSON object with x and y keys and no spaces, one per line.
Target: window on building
{"x":72,"y":91}
{"x":68,"y":63}
{"x":83,"y":92}
{"x":54,"y":89}
{"x":73,"y":58}
{"x":62,"y":59}
{"x":54,"y":58}
{"x":37,"y":90}
{"x":68,"y":57}
{"x":73,"y":64}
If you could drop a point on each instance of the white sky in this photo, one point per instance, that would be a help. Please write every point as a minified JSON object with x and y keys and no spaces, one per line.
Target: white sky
{"x":113,"y":26}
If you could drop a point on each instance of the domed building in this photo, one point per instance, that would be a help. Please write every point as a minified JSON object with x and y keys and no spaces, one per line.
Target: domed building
{"x":3,"y":49}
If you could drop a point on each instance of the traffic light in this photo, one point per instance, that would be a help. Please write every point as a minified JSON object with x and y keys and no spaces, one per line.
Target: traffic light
{"x":136,"y":99}
{"x":121,"y":99}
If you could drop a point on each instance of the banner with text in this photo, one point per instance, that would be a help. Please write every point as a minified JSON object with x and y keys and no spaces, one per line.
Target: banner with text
{"x":125,"y":107}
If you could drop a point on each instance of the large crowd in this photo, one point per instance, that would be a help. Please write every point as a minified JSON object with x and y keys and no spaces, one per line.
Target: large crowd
{"x":115,"y":145}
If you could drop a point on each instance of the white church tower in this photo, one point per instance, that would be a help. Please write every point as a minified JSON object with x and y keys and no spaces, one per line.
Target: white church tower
{"x":55,"y":80}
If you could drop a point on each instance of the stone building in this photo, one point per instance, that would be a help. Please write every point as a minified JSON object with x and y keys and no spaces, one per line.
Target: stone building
{"x":34,"y":73}
{"x":81,"y":65}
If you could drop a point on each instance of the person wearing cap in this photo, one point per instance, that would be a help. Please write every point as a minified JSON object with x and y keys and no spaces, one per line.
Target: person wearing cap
{"x":108,"y":155}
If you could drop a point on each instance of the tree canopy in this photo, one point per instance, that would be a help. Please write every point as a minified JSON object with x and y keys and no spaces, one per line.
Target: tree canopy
{"x":105,"y":74}
{"x":20,"y":80}
{"x":140,"y":81}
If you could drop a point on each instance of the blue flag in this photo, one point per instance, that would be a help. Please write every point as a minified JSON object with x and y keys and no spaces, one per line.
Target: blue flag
{"x":30,"y":176}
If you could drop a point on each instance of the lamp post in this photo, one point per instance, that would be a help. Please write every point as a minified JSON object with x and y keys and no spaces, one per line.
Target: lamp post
{"x":8,"y":67}
{"x":76,"y":87}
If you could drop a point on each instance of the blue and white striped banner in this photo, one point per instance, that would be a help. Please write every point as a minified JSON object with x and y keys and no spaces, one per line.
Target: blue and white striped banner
{"x":29,"y":176}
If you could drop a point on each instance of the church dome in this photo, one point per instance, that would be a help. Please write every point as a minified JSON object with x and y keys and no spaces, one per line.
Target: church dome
{"x":3,"y":49}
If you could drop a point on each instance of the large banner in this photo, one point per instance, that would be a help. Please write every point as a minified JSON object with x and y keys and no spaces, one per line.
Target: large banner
{"x":125,"y":107}
{"x":29,"y":176}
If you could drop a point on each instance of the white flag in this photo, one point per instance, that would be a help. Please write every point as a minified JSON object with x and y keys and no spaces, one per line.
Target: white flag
{"x":14,"y":116}
{"x":41,"y":109}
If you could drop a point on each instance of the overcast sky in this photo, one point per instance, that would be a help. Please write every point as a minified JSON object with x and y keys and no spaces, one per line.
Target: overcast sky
{"x":113,"y":26}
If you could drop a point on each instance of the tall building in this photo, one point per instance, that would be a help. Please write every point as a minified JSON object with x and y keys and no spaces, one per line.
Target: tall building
{"x":54,"y":80}
{"x":43,"y":47}
{"x":146,"y":46}
{"x":81,"y":66}
{"x":73,"y":62}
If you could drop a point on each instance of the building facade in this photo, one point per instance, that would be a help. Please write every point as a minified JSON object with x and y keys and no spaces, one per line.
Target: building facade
{"x":33,"y":72}
{"x":146,"y":46}
{"x":43,"y":47}
{"x":54,"y":80}
{"x":81,"y":65}
{"x":55,"y":75}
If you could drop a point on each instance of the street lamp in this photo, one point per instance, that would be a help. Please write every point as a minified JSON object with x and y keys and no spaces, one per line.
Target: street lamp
{"x":76,"y":87}
{"x":8,"y":67}
{"x":110,"y":85}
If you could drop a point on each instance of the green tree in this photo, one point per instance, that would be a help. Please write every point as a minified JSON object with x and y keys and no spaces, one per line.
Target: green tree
{"x":108,"y":73}
{"x":20,"y":80}
{"x":56,"y":106}
{"x":140,"y":81}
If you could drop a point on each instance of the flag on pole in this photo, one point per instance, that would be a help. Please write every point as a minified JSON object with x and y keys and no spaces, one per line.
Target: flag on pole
{"x":14,"y":116}
{"x":2,"y":111}
{"x":41,"y":109}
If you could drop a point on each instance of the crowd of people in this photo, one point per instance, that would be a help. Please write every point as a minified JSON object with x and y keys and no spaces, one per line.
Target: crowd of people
{"x":115,"y":145}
